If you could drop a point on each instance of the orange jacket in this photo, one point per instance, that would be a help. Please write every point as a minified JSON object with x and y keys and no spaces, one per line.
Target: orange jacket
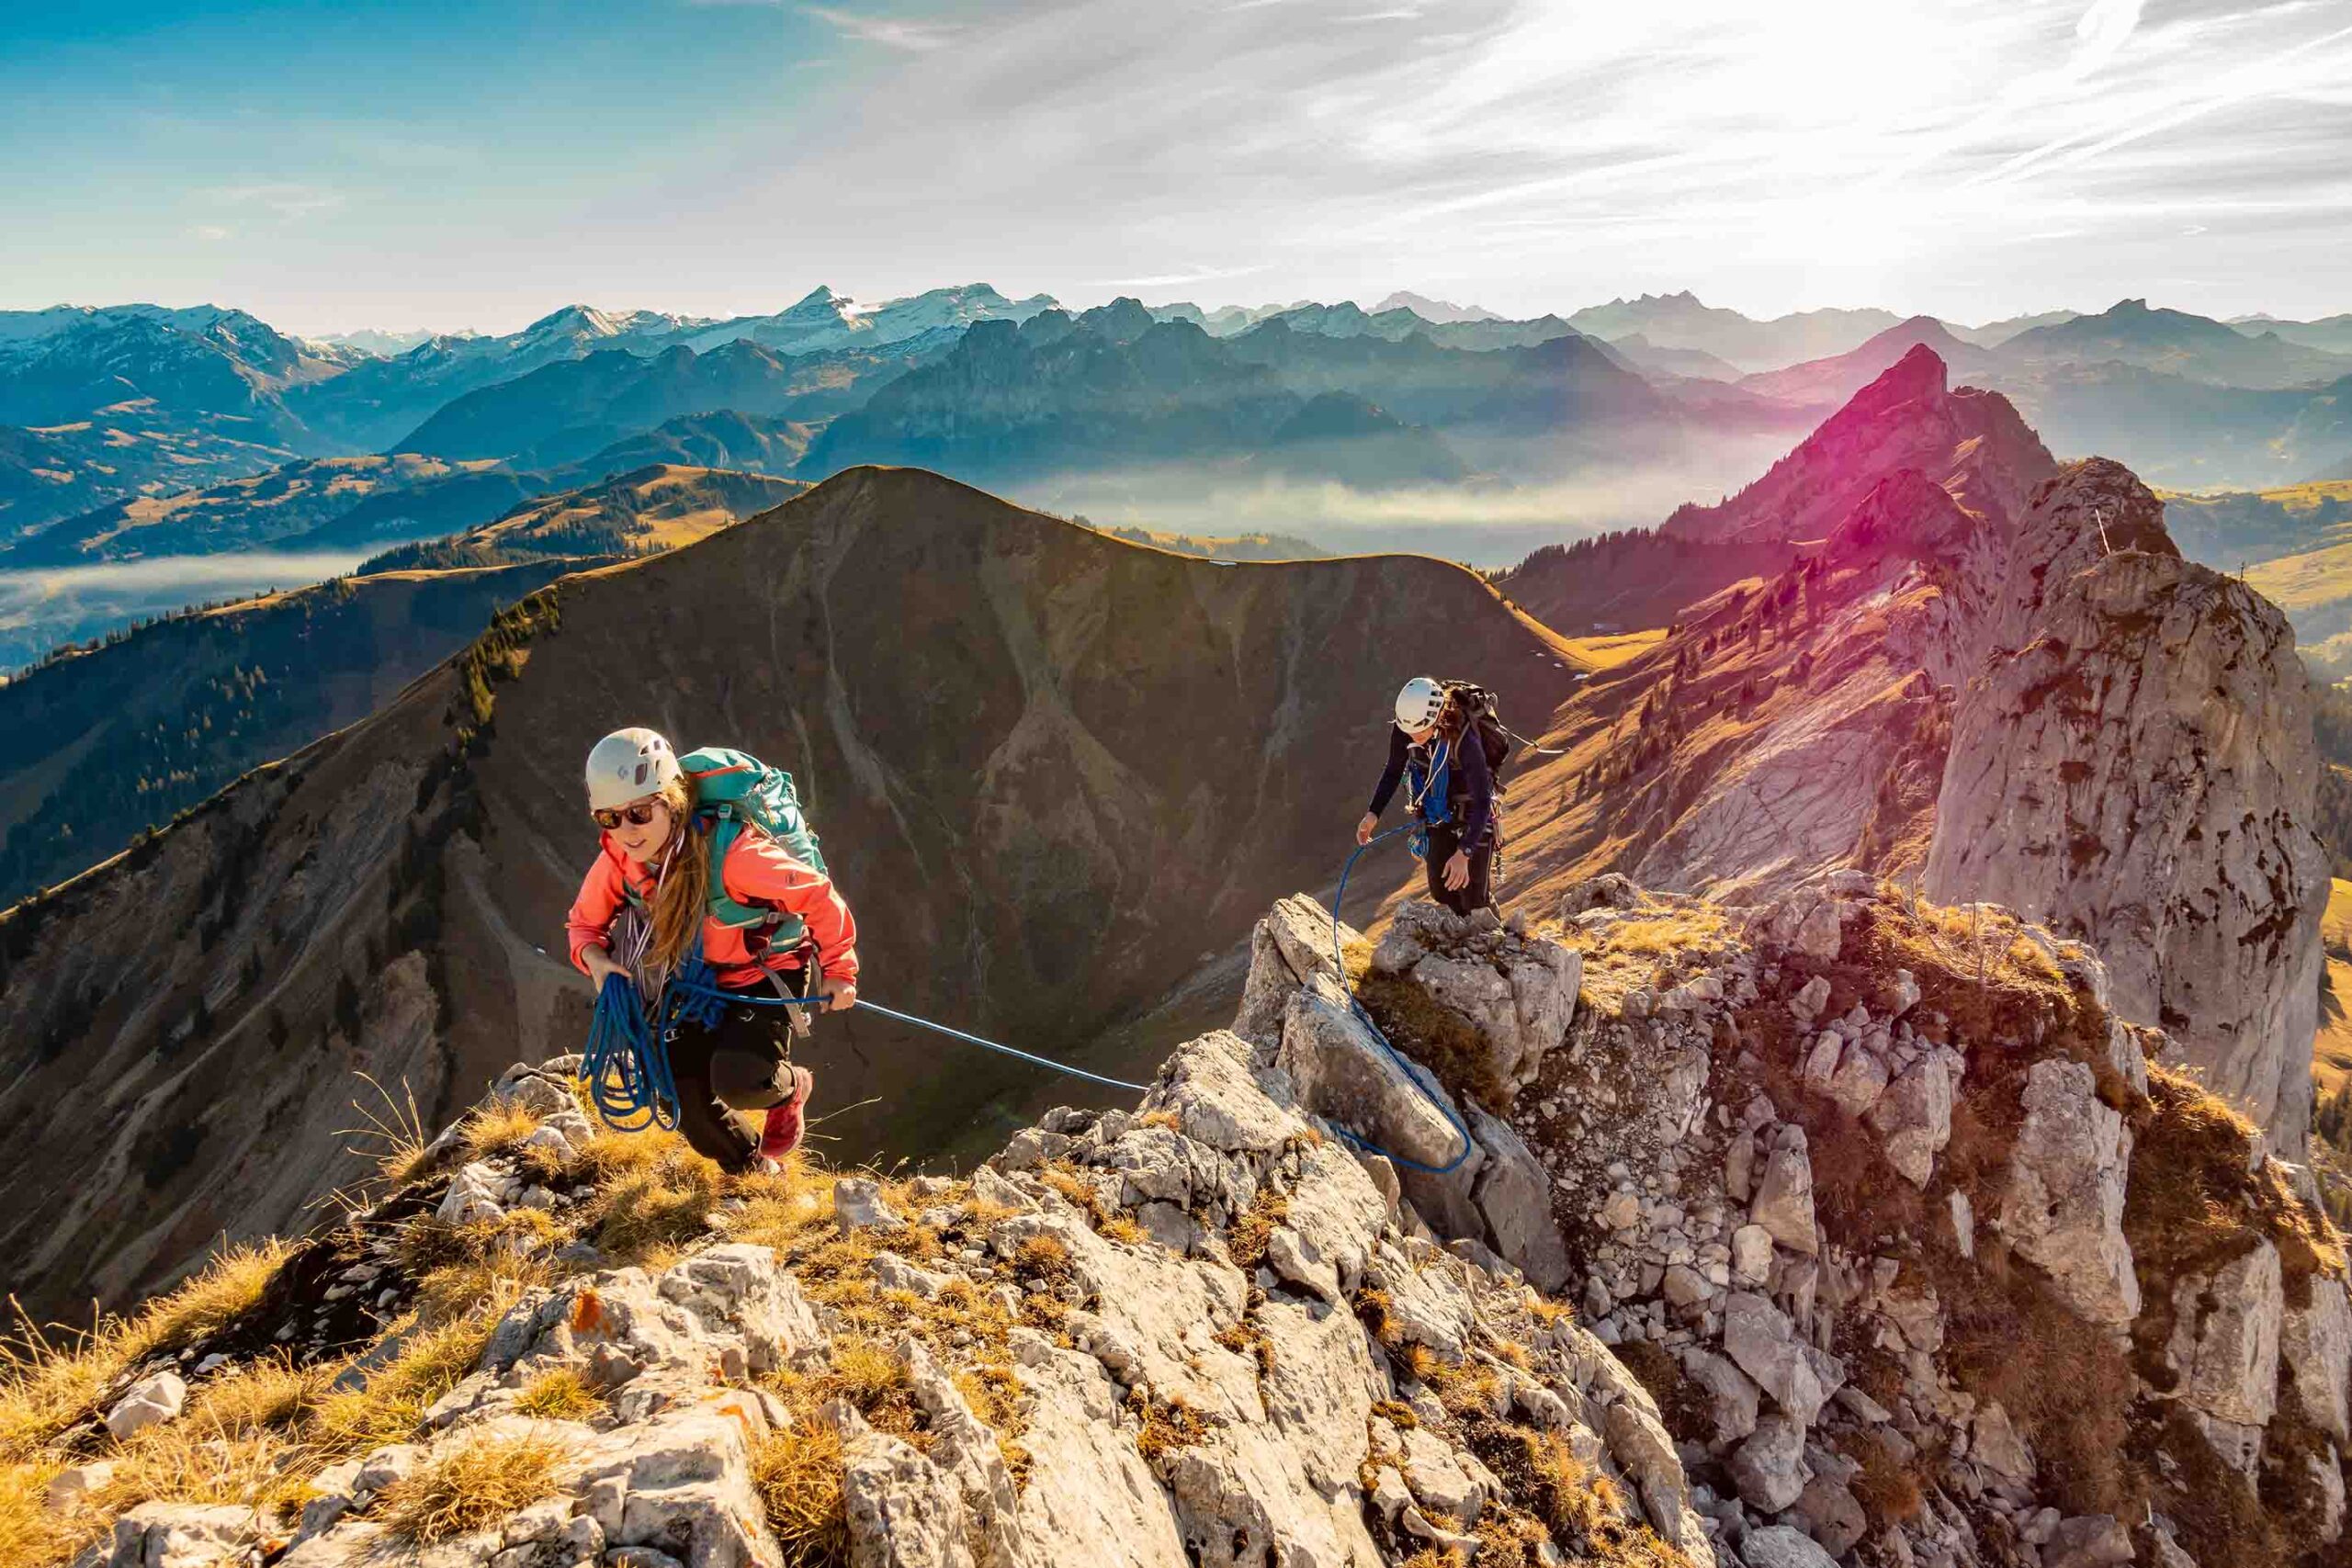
{"x":758,"y":871}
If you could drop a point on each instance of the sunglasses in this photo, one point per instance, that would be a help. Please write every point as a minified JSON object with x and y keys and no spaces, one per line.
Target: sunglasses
{"x":638,"y":814}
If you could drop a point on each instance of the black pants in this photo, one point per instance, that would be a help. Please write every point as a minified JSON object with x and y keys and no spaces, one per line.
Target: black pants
{"x":742,"y":1063}
{"x":1475,"y":894}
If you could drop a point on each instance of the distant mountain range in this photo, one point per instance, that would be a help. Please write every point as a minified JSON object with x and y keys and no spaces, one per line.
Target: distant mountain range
{"x":120,"y":426}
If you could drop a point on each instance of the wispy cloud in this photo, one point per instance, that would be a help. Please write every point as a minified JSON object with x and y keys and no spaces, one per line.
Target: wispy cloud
{"x":211,"y":234}
{"x":889,"y":31}
{"x":1184,"y":279}
{"x":286,"y":199}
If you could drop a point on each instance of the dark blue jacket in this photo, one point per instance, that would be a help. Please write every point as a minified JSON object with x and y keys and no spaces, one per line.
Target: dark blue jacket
{"x":1470,"y":787}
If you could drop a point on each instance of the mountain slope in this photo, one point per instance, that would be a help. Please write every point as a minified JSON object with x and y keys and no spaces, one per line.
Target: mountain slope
{"x":123,"y":738}
{"x":1092,"y":764}
{"x":1680,"y":321}
{"x":1826,"y":383}
{"x":268,"y":509}
{"x":658,"y":507}
{"x":1971,"y":441}
{"x":2176,"y":343}
{"x":565,"y":412}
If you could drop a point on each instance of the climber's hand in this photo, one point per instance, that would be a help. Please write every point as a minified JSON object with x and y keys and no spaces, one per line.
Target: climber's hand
{"x":1364,"y":827}
{"x":1457,"y":873}
{"x":601,"y":966}
{"x":840,"y":997}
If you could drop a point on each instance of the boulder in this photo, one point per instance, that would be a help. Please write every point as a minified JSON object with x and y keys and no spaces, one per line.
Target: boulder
{"x":1770,"y":1468}
{"x":2063,"y":1208}
{"x":1731,"y":1397}
{"x":858,"y":1204}
{"x":1340,"y":1071}
{"x":2315,"y":1348}
{"x":1783,"y":1204}
{"x":1515,"y":1196}
{"x":1833,"y":1514}
{"x":1860,"y":1080}
{"x":1758,"y":1337}
{"x":179,"y":1535}
{"x":1994,"y":1443}
{"x":2225,"y":1337}
{"x":473,"y":1195}
{"x":1752,"y":1255}
{"x":1778,"y":1546}
{"x":2088,"y":1540}
{"x":152,"y":1399}
{"x":1915,"y":1118}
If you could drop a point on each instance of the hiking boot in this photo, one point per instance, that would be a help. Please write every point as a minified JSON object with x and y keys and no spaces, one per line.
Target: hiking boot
{"x":785,"y":1123}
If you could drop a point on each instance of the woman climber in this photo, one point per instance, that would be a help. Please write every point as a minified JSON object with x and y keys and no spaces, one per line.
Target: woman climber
{"x":1451,"y":787}
{"x":761,"y":917}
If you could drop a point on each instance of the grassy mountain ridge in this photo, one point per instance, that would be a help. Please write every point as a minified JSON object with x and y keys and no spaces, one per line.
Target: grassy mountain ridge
{"x":1094,"y":763}
{"x":123,"y":738}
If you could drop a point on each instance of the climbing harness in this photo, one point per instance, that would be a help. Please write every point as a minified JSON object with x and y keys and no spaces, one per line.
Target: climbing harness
{"x":1412,"y":1074}
{"x":1423,"y":783}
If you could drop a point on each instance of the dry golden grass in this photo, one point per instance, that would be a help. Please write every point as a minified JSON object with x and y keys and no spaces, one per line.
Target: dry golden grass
{"x":497,"y":1127}
{"x":1607,"y":652}
{"x":29,"y":1532}
{"x":390,"y":1405}
{"x":1166,"y":1424}
{"x":561,"y":1393}
{"x":797,"y":1470}
{"x":394,"y":1136}
{"x":658,"y":1202}
{"x":1886,"y":1489}
{"x":1255,"y":1226}
{"x":1043,"y":1256}
{"x":470,"y":1484}
{"x":271,"y":1393}
{"x":48,"y":1383}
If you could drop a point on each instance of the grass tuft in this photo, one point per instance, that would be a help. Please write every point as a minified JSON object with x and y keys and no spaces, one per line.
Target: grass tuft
{"x":471,"y":1483}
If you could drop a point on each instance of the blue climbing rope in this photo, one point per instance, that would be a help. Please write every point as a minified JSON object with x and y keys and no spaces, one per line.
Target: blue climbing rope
{"x":626,"y":1065}
{"x":1411,"y":1074}
{"x":703,"y":1000}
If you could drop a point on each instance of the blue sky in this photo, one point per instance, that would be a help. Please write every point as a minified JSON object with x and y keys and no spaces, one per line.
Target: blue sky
{"x":333,"y":167}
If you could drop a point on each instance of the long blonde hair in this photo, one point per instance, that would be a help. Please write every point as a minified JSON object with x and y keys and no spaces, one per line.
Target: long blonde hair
{"x":682,"y":888}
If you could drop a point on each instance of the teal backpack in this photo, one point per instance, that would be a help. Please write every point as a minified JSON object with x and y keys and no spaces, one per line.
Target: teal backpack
{"x":732,"y":789}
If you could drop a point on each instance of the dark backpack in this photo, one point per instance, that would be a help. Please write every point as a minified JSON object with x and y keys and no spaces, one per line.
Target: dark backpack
{"x":1484,"y":714}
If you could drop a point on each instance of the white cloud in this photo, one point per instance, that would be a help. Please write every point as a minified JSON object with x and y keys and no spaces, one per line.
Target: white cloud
{"x":285,"y":198}
{"x":890,"y":32}
{"x":210,"y":232}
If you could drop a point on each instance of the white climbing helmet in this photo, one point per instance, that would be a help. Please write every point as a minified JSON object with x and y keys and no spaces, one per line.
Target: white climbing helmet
{"x":1419,"y":703}
{"x":628,"y":764}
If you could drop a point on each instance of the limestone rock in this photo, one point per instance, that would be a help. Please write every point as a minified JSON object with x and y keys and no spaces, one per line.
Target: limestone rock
{"x":2315,"y":1349}
{"x":2063,"y":1207}
{"x":1770,"y":1468}
{"x":1783,"y":1204}
{"x":1995,"y":1444}
{"x":473,"y":1195}
{"x":2089,"y":1541}
{"x":1515,"y":1196}
{"x":858,"y":1204}
{"x":903,"y":1511}
{"x":1731,"y":1397}
{"x":2149,"y":704}
{"x":1339,"y":1071}
{"x":1834,"y":1514}
{"x":1778,"y":1546}
{"x":1752,"y":1255}
{"x":1915,"y":1118}
{"x":2225,"y":1337}
{"x":152,"y":1399}
{"x":1759,"y":1337}
{"x":180,"y":1535}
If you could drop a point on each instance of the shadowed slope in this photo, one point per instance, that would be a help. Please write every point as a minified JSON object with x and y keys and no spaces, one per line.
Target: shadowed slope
{"x":1052,"y":769}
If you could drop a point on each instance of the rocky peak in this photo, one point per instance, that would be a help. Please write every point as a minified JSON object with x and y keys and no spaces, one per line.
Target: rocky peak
{"x":2133,"y":765}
